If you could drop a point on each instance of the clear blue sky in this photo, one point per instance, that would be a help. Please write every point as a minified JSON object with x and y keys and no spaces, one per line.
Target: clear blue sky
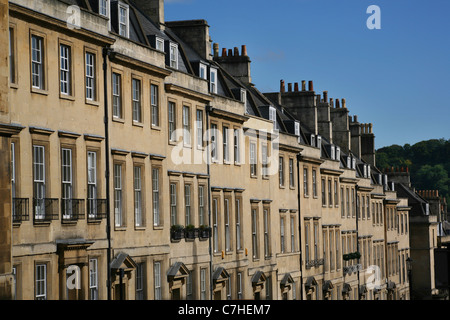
{"x":397,"y":77}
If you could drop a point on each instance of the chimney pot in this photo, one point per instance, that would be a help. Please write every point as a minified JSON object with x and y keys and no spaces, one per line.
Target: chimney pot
{"x":290,"y":87}
{"x":303,"y":85}
{"x":282,"y":86}
{"x":230,"y":52}
{"x":337,"y":103}
{"x":343,"y":103}
{"x":224,"y":52}
{"x":236,"y":51}
{"x":296,"y":87}
{"x":216,"y":49}
{"x":310,"y":85}
{"x":355,"y":118}
{"x":325,"y":96}
{"x":332,"y":102}
{"x":244,"y":50}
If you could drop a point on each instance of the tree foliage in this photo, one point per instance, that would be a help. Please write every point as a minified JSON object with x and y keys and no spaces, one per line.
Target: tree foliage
{"x":428,"y":162}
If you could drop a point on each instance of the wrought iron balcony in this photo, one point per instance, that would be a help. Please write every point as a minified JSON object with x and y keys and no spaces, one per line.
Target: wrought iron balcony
{"x":314,"y":263}
{"x":20,"y":210}
{"x":96,"y":209}
{"x":72,"y":210}
{"x":45,"y":210}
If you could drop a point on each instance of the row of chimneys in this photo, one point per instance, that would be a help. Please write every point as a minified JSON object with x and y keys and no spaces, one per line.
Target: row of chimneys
{"x":230,"y":52}
{"x":296,"y":88}
{"x":428,"y":193}
{"x":397,"y":169}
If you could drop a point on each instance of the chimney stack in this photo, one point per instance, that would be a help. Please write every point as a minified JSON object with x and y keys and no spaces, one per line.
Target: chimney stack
{"x":244,"y":50}
{"x":282,"y":86}
{"x":216,"y":50}
{"x":154,"y":9}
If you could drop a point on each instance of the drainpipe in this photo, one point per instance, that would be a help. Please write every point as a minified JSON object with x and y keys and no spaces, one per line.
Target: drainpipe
{"x":208,"y":109}
{"x":357,"y":235}
{"x":106,"y":53}
{"x":299,"y":225}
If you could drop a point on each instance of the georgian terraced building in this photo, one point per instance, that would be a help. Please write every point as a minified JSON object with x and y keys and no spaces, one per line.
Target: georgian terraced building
{"x":137,"y":163}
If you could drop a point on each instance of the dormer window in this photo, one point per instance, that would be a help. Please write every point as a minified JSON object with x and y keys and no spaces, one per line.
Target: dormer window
{"x":213,"y":80}
{"x":159,"y":44}
{"x":244,"y":96}
{"x":103,"y":8}
{"x":202,"y":71}
{"x":297,"y":128}
{"x":319,"y":142}
{"x":273,"y":116}
{"x":333,"y":154}
{"x":174,"y":55}
{"x":124,"y":20}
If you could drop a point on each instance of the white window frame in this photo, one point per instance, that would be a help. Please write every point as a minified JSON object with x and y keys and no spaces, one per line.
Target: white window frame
{"x":238,"y":224}
{"x":225,"y":142}
{"x":140,"y":270}
{"x":273,"y":116}
{"x":187,"y":204}
{"x":202,"y":284}
{"x":92,"y":182}
{"x":13,"y":178}
{"x":117,"y":95}
{"x":199,"y":123}
{"x":103,"y":4}
{"x":292,"y":234}
{"x":201,"y":205}
{"x":173,"y":204}
{"x":90,"y":76}
{"x":237,"y":147}
{"x":282,"y":235}
{"x":202,"y":72}
{"x":266,"y":217}
{"x":213,"y":80}
{"x":65,"y":69}
{"x":226,"y":203}
{"x":155,"y":193}
{"x":93,"y":279}
{"x":172,"y":117}
{"x":157,"y":280}
{"x":159,"y":44}
{"x":186,"y":125}
{"x":136,"y":100}
{"x":123,"y":20}
{"x":215,"y":209}
{"x":39,"y":180}
{"x":253,"y":163}
{"x":173,"y":55}
{"x":154,"y":97}
{"x":281,"y":171}
{"x":291,"y":173}
{"x":67,"y":181}
{"x":41,"y":282}
{"x":118,"y":192}
{"x":214,"y":151}
{"x":255,"y":244}
{"x":37,"y":62}
{"x":138,"y":210}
